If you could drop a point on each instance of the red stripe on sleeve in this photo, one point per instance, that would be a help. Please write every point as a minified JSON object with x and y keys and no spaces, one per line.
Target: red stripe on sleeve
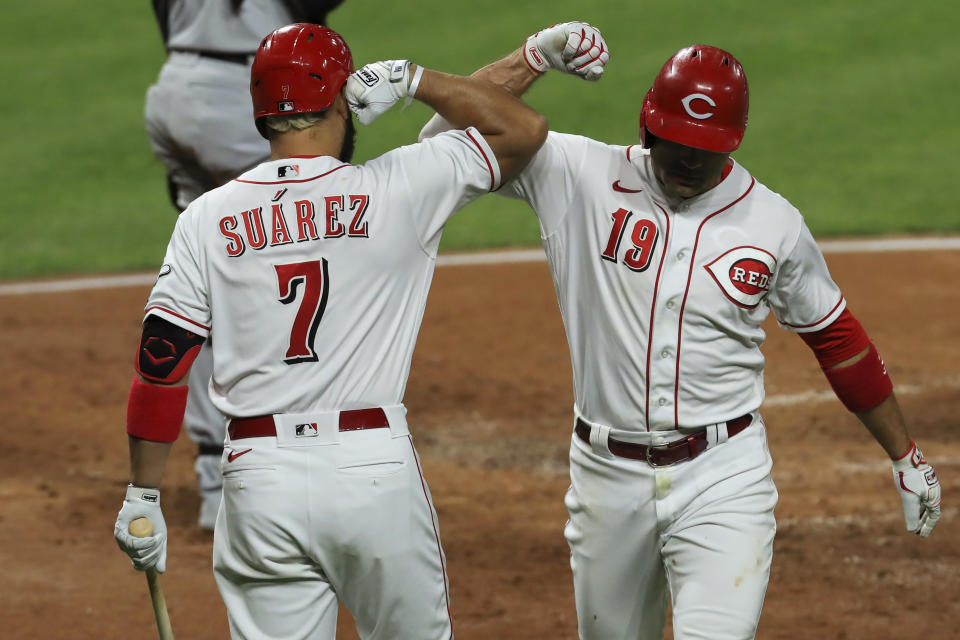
{"x":174,"y":313}
{"x":493,"y":182}
{"x":813,"y":324}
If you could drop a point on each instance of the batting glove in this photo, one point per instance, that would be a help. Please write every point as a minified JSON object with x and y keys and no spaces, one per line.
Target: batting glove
{"x":372,"y":90}
{"x":919,"y":491}
{"x":145,"y":553}
{"x":572,"y":47}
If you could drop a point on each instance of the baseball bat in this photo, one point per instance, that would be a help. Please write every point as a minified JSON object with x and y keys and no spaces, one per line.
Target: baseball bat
{"x":143,"y":528}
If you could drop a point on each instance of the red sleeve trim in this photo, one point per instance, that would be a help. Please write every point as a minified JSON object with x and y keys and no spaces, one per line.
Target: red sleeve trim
{"x":493,"y":179}
{"x":813,"y":324}
{"x":840,"y":340}
{"x":177,"y":315}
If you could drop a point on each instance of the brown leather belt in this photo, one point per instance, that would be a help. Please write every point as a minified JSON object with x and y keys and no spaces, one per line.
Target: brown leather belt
{"x":235,"y":58}
{"x":263,"y":426}
{"x":665,"y":454}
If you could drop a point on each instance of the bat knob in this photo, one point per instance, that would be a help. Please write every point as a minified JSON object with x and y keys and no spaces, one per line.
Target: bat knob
{"x":141,"y":528}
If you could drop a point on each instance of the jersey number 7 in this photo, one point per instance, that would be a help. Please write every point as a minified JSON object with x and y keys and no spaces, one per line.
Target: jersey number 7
{"x":316,"y":286}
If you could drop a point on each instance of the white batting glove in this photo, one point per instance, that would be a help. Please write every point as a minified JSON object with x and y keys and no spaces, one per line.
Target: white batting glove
{"x":145,"y":553}
{"x":572,"y":47}
{"x":372,"y":90}
{"x":919,"y":491}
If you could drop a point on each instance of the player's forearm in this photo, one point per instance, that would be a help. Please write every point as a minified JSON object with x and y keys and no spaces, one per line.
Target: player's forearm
{"x":147,"y":461}
{"x":466,"y":102}
{"x":513,"y":130}
{"x":510,"y":73}
{"x":885,"y":422}
{"x":154,"y":419}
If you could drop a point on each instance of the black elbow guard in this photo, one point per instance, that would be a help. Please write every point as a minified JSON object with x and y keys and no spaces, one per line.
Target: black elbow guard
{"x":166,"y":351}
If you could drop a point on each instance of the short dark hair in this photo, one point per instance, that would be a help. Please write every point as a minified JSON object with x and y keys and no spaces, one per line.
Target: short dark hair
{"x":272,"y":126}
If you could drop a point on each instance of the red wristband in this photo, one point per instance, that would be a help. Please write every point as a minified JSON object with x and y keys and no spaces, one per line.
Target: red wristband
{"x":863,"y":385}
{"x":155,"y":412}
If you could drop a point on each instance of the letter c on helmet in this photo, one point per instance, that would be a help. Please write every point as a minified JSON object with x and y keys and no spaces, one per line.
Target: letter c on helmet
{"x":698,"y":114}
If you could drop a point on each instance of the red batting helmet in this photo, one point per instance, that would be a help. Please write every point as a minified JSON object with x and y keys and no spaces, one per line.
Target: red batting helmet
{"x":299,"y":68}
{"x":699,"y":99}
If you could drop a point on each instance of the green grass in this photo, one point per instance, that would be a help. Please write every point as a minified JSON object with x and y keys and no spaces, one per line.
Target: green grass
{"x":853,"y":112}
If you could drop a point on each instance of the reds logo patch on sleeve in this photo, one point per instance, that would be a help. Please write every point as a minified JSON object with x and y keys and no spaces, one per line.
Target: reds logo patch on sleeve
{"x":744,"y":274}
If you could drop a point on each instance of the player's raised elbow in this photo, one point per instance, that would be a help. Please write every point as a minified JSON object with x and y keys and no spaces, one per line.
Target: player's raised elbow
{"x":520,"y":142}
{"x":537,"y":132}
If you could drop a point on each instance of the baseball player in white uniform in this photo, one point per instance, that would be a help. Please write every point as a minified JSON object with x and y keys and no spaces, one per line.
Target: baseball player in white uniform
{"x":667,"y":257}
{"x":199,"y":124}
{"x":314,"y":273}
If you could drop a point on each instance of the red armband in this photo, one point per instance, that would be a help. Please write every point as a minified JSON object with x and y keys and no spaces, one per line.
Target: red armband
{"x":862,"y":385}
{"x":841,"y":340}
{"x":155,"y":412}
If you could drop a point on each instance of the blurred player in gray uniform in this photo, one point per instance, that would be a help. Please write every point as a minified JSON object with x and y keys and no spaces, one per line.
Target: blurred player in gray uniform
{"x":198,"y":120}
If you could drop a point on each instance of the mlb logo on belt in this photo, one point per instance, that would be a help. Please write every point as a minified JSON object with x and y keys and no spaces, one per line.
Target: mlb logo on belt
{"x":306,"y":430}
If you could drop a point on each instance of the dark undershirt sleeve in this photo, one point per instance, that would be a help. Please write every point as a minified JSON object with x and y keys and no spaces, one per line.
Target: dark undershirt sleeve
{"x":311,"y":10}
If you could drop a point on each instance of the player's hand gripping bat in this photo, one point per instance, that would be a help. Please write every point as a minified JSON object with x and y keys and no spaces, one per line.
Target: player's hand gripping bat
{"x":143,"y":528}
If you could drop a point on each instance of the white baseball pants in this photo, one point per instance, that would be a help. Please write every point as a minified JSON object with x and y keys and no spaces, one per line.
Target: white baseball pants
{"x":700,"y":531}
{"x":306,"y":521}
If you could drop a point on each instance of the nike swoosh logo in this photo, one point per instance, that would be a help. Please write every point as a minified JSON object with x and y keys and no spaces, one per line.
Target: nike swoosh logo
{"x":617,"y":187}
{"x":233,"y":455}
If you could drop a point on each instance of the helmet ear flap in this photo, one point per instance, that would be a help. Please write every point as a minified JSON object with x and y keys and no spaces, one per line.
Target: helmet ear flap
{"x":645,"y":137}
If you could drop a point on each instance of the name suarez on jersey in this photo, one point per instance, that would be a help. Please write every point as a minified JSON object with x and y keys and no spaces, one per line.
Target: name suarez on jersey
{"x":340,"y":215}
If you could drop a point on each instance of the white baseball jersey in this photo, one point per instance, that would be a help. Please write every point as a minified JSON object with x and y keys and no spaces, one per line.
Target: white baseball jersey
{"x":662,"y":304}
{"x":313,"y":274}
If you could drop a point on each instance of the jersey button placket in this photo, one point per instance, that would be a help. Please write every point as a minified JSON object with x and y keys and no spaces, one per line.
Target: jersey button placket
{"x":666,"y":348}
{"x":663,"y":367}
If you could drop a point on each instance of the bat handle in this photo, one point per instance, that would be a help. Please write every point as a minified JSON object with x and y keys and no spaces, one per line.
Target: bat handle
{"x":159,"y":605}
{"x":142,"y":528}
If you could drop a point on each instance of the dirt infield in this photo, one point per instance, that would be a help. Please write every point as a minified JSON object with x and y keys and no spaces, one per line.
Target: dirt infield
{"x":489,"y":403}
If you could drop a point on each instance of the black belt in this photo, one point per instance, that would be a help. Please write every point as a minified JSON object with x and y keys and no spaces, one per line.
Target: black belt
{"x":661,"y":455}
{"x":235,"y":58}
{"x":263,"y":426}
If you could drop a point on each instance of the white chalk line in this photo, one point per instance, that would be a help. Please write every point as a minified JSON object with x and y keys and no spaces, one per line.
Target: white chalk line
{"x":853,"y":520}
{"x":816,"y":397}
{"x":463,"y":259}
